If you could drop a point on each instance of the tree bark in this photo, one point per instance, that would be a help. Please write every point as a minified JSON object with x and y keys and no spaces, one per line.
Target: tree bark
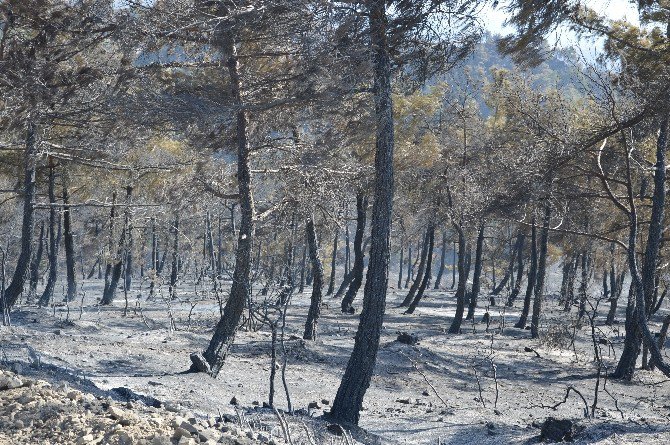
{"x":532,"y":275}
{"x":477,"y":274}
{"x":427,"y":271}
{"x":317,"y":283}
{"x":409,"y":265}
{"x":224,"y":334}
{"x":400,"y":262}
{"x":117,"y":267}
{"x":519,"y":273}
{"x":443,"y":257}
{"x":174,"y":273}
{"x":11,"y":294}
{"x":35,"y":264}
{"x":359,"y":265}
{"x":68,"y":242}
{"x":333,"y":264}
{"x":54,"y":219}
{"x":110,"y":245}
{"x":644,"y":282}
{"x":461,"y":290}
{"x":356,"y":380}
{"x":541,"y":273}
{"x":419,"y":273}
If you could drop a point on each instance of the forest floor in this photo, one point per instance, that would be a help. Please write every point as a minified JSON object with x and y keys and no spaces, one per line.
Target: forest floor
{"x":441,"y":390}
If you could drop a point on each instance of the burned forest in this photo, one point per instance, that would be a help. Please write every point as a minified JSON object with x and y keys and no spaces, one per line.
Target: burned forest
{"x":329,"y":222}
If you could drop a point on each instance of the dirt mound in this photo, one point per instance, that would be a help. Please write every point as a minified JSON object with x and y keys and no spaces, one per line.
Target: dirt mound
{"x":35,"y":412}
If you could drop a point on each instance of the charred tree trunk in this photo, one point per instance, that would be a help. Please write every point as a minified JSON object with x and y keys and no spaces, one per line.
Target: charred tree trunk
{"x":35,"y":264}
{"x":519,"y":273}
{"x":400,"y":268}
{"x":128,"y":256}
{"x":317,"y":284}
{"x":419,"y":274}
{"x":430,"y":234}
{"x":174,"y":273}
{"x":461,"y":290}
{"x":110,"y":244}
{"x":117,"y":267}
{"x":303,"y":266}
{"x":11,"y":294}
{"x":510,"y":269}
{"x":644,"y":281}
{"x":541,"y":273}
{"x":359,"y":264}
{"x":68,"y":242}
{"x":356,"y":379}
{"x":477,"y":274}
{"x":333,"y":263}
{"x":532,"y":275}
{"x":453,"y":265}
{"x":443,"y":257}
{"x":225,"y":330}
{"x":54,"y":219}
{"x":616,"y":288}
{"x":409,"y":265}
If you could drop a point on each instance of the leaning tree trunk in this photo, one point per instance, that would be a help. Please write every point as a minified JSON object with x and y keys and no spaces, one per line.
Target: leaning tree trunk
{"x":224,"y":333}
{"x":541,"y":273}
{"x":532,"y":275}
{"x":333,"y":263}
{"x":317,"y":283}
{"x":476,"y":278}
{"x":443,"y":258}
{"x":644,"y":282}
{"x":427,"y":272}
{"x":519,"y":273}
{"x":419,"y":273}
{"x":35,"y":265}
{"x":68,"y":242}
{"x":455,"y":327}
{"x":357,"y":271}
{"x":117,"y":267}
{"x":54,"y":218}
{"x":510,"y":269}
{"x":11,"y":294}
{"x":356,"y":379}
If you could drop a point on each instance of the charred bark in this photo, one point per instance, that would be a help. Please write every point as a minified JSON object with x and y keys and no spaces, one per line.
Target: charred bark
{"x":349,"y":399}
{"x":427,"y":271}
{"x":541,"y":274}
{"x":532,"y":275}
{"x":419,"y":273}
{"x":477,"y":274}
{"x":359,"y":265}
{"x":317,"y":283}
{"x":11,"y":294}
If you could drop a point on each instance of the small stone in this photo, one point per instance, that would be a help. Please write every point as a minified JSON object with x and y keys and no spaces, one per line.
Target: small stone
{"x":403,"y":401}
{"x":181,"y":432}
{"x":313,"y":405}
{"x":234,"y":401}
{"x":161,"y":440}
{"x":188,"y":426}
{"x":325,"y":401}
{"x":85,"y":439}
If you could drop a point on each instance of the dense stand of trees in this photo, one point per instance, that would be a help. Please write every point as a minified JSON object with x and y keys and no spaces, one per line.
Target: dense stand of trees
{"x":215,"y":141}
